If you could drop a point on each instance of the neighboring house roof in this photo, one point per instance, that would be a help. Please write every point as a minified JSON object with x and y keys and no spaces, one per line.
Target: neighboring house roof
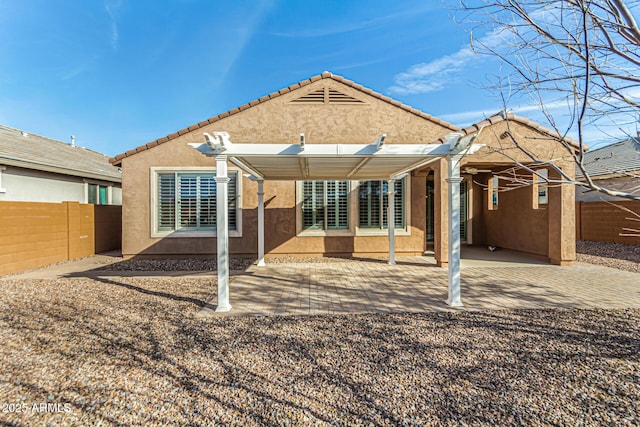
{"x":325,"y":75}
{"x":26,"y":150}
{"x":614,"y":159}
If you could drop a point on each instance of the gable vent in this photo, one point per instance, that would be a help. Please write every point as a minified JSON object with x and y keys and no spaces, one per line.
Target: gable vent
{"x":327,"y":96}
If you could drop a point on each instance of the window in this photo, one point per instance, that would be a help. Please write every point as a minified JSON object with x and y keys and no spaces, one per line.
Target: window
{"x":464,"y":203}
{"x":186,"y":201}
{"x":97,"y":194}
{"x":493,"y":186}
{"x":325,"y":205}
{"x":542,"y":180}
{"x":373,"y":202}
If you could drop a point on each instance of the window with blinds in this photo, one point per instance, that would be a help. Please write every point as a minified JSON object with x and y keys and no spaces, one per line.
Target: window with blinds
{"x":187,"y":201}
{"x":325,"y":205}
{"x":373,"y":202}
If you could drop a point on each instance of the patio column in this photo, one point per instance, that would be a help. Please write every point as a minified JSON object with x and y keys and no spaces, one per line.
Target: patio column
{"x":454,"y":231}
{"x":222,"y":227}
{"x":260,"y":223}
{"x":561,"y":217}
{"x":391,"y":221}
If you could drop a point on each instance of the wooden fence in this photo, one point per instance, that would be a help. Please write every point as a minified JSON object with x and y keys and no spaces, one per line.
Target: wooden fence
{"x":37,"y":234}
{"x":605,"y":222}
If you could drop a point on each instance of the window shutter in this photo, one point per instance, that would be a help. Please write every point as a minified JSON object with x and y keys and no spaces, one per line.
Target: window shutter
{"x":313,"y":204}
{"x":188,"y":201}
{"x":233,"y":201}
{"x":463,"y":210}
{"x":373,"y":202}
{"x":337,"y":205}
{"x":369,"y":204}
{"x":207,"y":201}
{"x":166,"y":202}
{"x":398,"y":203}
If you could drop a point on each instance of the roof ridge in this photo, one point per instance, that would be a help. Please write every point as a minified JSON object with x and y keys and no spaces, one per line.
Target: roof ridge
{"x":29,"y":133}
{"x":324,"y":75}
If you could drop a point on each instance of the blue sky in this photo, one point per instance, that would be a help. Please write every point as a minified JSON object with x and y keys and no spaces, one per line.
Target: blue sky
{"x":118,"y":74}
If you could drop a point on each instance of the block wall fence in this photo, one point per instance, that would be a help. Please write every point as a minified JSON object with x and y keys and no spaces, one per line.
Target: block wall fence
{"x":605,"y":221}
{"x":35,"y":234}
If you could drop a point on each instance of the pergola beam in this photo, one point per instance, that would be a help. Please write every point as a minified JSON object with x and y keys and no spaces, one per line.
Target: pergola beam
{"x":358,"y":167}
{"x":251,"y":171}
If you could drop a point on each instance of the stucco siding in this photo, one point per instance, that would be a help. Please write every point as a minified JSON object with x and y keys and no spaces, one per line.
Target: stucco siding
{"x":36,"y":186}
{"x":30,"y":185}
{"x":515,"y":224}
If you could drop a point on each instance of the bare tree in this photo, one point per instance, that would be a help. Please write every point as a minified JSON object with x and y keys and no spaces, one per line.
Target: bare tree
{"x":582,"y":55}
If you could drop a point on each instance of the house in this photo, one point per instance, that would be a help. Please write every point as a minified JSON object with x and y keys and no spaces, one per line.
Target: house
{"x":332,"y":149}
{"x":58,"y":201}
{"x":615,"y":167}
{"x":35,"y":168}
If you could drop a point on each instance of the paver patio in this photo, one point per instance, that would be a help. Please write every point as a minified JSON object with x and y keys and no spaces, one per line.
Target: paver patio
{"x":413,"y":285}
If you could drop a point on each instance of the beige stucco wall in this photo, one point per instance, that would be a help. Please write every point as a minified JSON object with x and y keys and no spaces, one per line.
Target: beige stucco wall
{"x":279,"y":121}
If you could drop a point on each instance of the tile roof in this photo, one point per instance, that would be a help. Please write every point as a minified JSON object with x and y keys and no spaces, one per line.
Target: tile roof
{"x":325,"y":75}
{"x":27,"y":150}
{"x":623,"y":156}
{"x":501,"y":117}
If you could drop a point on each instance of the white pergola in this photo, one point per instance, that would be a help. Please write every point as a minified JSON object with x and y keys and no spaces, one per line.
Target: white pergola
{"x":332,"y":162}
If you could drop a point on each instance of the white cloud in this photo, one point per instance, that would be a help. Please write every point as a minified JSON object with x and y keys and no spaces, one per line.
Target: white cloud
{"x":468,"y":117}
{"x":113,"y":8}
{"x":243,"y":33}
{"x":438,"y":73}
{"x":357,"y":25}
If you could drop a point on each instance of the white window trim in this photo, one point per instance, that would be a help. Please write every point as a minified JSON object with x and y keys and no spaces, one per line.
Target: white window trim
{"x":153,"y":205}
{"x":353,"y":229}
{"x":2,"y":190}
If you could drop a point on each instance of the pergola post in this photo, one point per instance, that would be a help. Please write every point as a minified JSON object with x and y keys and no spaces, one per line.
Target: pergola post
{"x":260,"y":223}
{"x":454,"y":181}
{"x":391,"y":221}
{"x":222,"y":228}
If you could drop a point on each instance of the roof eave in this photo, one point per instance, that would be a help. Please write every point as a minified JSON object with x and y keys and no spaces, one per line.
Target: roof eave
{"x":59,"y":170}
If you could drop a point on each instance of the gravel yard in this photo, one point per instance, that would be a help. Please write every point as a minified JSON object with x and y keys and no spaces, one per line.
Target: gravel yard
{"x":615,"y":255}
{"x":129,"y":351}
